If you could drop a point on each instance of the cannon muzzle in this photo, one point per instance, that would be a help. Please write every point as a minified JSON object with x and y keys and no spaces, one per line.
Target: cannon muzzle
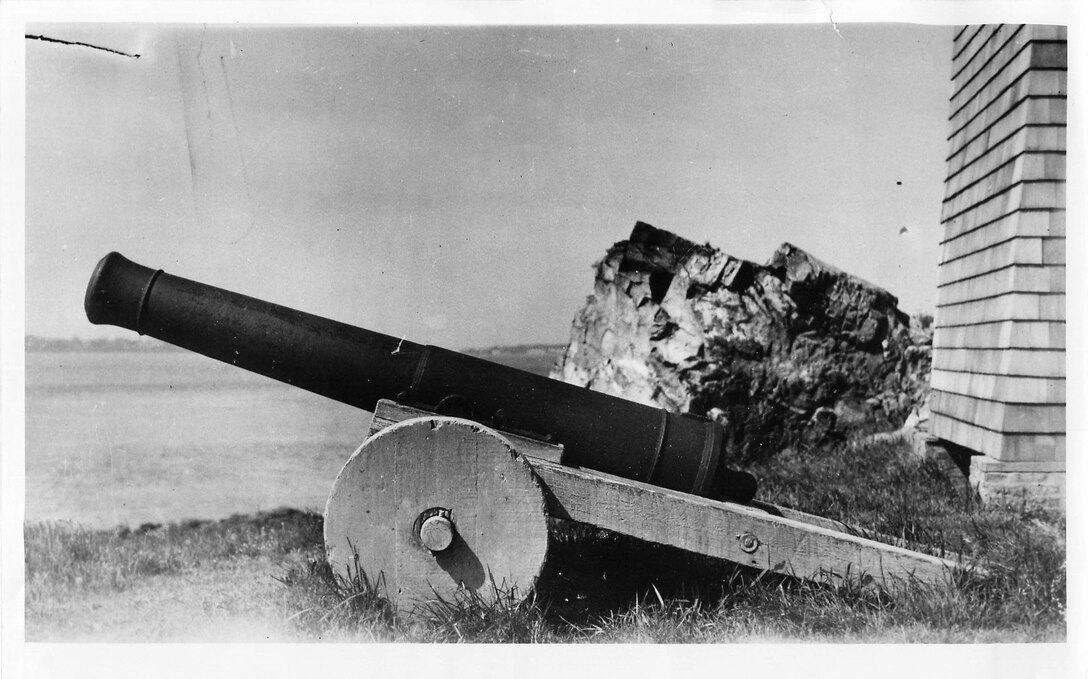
{"x":117,"y":291}
{"x":359,"y":367}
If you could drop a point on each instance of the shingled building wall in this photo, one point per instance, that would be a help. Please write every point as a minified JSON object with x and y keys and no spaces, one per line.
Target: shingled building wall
{"x":998,"y":379}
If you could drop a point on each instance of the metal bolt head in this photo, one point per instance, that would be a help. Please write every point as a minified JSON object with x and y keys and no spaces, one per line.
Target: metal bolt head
{"x":748,"y":542}
{"x":436,"y":533}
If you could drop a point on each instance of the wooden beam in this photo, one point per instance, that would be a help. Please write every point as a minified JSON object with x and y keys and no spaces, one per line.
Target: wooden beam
{"x":1000,"y":335}
{"x":1013,"y":418}
{"x":967,"y":42}
{"x":1018,"y":278}
{"x":1012,"y":251}
{"x":1024,"y":140}
{"x":1000,"y":51}
{"x":1020,"y":306}
{"x":387,"y":413}
{"x":1003,"y":448}
{"x":1026,"y":196}
{"x":1037,"y":223}
{"x":999,"y":94}
{"x":1012,"y":362}
{"x":746,"y":535}
{"x":1005,"y":388}
{"x":1025,"y":167}
{"x":1054,"y":251}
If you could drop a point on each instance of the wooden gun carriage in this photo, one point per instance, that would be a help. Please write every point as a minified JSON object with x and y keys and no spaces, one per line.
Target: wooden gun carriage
{"x":467,"y":460}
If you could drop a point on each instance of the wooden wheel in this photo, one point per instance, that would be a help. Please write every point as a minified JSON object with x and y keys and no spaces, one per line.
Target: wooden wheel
{"x":434,"y":504}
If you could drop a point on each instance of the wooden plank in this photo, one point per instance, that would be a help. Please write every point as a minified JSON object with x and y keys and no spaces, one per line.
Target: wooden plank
{"x":388,"y":412}
{"x":1013,"y":448}
{"x":1025,"y":167}
{"x":1029,"y":89}
{"x":1035,"y":194}
{"x":1003,"y":52}
{"x":1050,"y":137}
{"x":962,"y":35}
{"x":724,"y":530}
{"x":1001,"y":93}
{"x":1011,"y":418}
{"x":810,"y":519}
{"x":964,"y":149}
{"x":1048,"y":32}
{"x":1054,"y":251}
{"x":1043,"y":194}
{"x":968,"y":45}
{"x":985,"y":414}
{"x":1014,"y":251}
{"x":1011,"y":279}
{"x":1001,"y":48}
{"x":1020,"y":306}
{"x":995,"y":207}
{"x":1014,"y":362}
{"x":999,"y":125}
{"x":841,"y":527}
{"x":1022,"y":223}
{"x":968,"y":435}
{"x":1038,"y":448}
{"x":1001,"y":335}
{"x":1038,"y":139}
{"x":1049,"y":55}
{"x":1052,"y":306}
{"x":967,"y":41}
{"x":999,"y":156}
{"x":1006,"y":388}
{"x":1054,"y":164}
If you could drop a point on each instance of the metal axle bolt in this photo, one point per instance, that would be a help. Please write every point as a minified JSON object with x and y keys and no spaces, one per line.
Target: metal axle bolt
{"x":748,"y":542}
{"x":436,"y":532}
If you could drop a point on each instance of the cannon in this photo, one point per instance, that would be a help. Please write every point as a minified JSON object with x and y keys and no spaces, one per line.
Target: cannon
{"x":467,"y":460}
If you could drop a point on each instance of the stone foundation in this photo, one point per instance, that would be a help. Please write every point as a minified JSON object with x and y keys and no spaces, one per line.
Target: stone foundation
{"x":1033,"y":484}
{"x":1039,"y":484}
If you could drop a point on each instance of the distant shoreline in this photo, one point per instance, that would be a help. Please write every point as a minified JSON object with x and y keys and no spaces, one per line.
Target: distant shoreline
{"x":35,"y":344}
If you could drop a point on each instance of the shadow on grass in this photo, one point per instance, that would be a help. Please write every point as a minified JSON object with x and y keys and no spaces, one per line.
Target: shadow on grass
{"x":599,"y":585}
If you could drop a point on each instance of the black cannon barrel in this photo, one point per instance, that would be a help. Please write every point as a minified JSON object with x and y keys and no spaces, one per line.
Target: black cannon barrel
{"x":359,"y":367}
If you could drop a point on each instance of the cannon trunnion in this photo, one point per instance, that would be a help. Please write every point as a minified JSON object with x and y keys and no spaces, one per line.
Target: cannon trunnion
{"x":466,"y":460}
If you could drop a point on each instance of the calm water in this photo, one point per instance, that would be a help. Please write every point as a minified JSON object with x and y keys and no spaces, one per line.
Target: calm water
{"x":132,"y":437}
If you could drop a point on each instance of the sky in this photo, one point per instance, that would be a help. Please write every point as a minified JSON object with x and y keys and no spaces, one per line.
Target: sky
{"x":455,"y":185}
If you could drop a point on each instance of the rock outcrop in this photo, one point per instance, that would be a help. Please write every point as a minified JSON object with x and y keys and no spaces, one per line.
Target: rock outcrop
{"x":790,"y":351}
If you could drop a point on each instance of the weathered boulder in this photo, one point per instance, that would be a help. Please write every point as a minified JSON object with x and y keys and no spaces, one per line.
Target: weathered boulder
{"x":781,"y":353}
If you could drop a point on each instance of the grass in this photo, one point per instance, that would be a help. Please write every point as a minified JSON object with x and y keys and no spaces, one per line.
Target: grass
{"x":63,"y":558}
{"x":196,"y":580}
{"x":925,"y":508}
{"x":596,"y":587}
